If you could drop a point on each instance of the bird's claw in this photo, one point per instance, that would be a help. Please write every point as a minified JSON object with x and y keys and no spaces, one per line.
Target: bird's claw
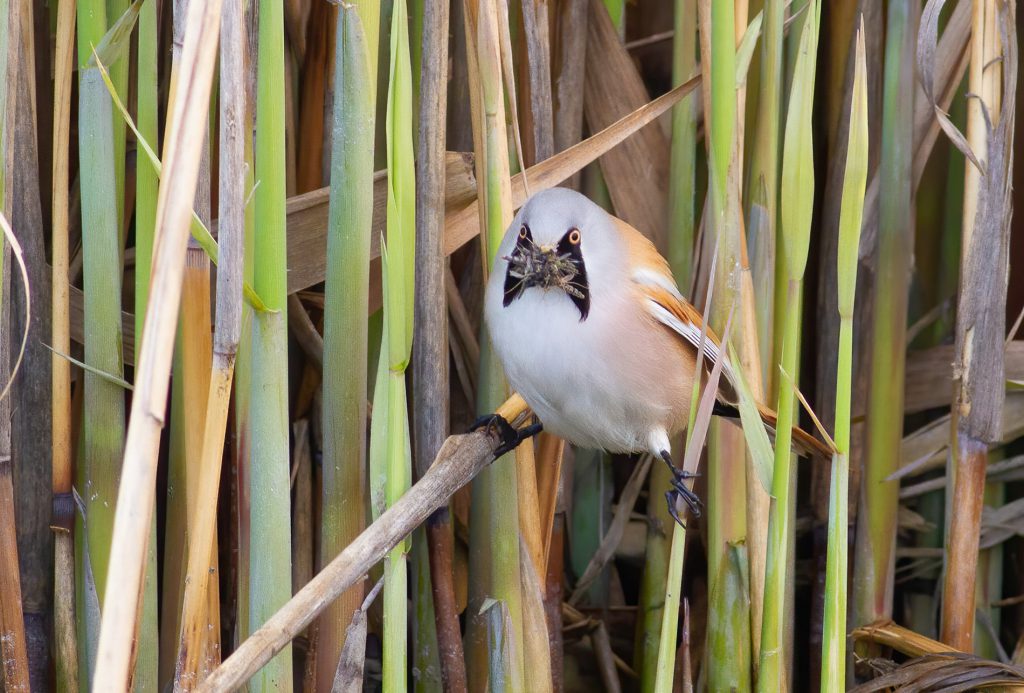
{"x":680,"y":491}
{"x":509,"y":436}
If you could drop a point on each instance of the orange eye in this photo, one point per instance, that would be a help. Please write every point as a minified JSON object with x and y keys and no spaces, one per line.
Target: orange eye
{"x":574,"y":236}
{"x":522,"y":233}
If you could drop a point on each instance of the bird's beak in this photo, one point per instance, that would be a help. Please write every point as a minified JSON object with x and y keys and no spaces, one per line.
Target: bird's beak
{"x":546,"y":267}
{"x":541,"y":266}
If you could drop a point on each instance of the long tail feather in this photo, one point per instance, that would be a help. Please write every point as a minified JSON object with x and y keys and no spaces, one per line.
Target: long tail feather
{"x":804,"y":444}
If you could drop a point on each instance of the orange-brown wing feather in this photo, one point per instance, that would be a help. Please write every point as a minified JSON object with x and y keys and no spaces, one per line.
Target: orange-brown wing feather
{"x":653,"y":279}
{"x":652,"y":276}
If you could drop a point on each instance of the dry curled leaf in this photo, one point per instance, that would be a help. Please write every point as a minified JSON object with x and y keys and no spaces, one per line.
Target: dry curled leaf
{"x":927,"y":41}
{"x":981,"y":325}
{"x":948,"y":672}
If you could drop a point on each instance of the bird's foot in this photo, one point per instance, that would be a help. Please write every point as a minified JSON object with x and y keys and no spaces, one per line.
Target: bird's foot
{"x":510,"y":436}
{"x":680,"y":491}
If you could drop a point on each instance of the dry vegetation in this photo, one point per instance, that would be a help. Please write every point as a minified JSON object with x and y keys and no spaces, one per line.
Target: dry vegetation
{"x":244,"y":251}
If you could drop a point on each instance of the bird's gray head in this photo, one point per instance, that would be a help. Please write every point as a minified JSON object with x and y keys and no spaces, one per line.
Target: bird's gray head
{"x":546,"y":245}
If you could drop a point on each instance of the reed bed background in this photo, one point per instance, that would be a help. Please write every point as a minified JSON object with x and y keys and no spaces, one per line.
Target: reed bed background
{"x":247,"y":241}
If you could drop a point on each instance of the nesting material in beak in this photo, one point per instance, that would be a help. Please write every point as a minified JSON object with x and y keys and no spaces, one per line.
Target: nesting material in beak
{"x":544,"y":267}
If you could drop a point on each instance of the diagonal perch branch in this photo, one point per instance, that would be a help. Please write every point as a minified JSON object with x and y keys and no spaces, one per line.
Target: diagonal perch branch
{"x":460,"y":459}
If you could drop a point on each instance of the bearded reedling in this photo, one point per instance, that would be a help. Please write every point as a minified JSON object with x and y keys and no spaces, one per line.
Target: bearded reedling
{"x":593,"y":333}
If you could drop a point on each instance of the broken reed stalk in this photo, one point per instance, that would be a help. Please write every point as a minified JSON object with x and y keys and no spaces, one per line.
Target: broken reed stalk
{"x":190,"y":382}
{"x":65,"y":642}
{"x":346,"y":297}
{"x":460,"y":459}
{"x":430,"y":340}
{"x":981,"y":312}
{"x":135,"y":498}
{"x":231,"y":239}
{"x":876,"y":519}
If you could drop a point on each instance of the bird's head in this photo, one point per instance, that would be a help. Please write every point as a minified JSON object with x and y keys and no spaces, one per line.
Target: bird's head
{"x":550,"y":245}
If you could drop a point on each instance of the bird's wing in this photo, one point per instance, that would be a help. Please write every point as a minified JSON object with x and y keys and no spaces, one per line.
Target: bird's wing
{"x":684,"y":320}
{"x":651,"y":275}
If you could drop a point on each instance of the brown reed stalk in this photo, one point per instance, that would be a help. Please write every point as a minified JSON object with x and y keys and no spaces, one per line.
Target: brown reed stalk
{"x":460,"y":459}
{"x":430,"y":395}
{"x":63,"y":522}
{"x":135,"y":497}
{"x":231,"y":226}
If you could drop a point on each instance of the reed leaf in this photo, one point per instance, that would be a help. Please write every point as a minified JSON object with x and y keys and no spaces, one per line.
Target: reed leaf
{"x":397,"y":258}
{"x":796,"y":186}
{"x":753,"y":428}
{"x":199,"y":228}
{"x":833,"y":655}
{"x":104,"y":408}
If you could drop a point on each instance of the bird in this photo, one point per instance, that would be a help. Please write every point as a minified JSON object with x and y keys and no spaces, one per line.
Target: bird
{"x":593,"y":333}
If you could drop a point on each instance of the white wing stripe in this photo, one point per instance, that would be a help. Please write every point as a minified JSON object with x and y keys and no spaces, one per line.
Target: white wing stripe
{"x":688,"y":331}
{"x":643,"y":275}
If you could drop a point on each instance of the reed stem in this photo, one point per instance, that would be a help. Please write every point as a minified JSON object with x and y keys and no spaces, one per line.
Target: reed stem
{"x":833,"y":655}
{"x":66,"y":644}
{"x":876,"y":519}
{"x":346,"y":300}
{"x":269,"y":514}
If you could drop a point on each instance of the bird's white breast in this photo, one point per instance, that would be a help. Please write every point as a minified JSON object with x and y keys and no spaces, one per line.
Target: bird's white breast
{"x":586,"y":380}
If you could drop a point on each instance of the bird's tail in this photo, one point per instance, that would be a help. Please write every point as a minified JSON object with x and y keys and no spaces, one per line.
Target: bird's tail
{"x":804,"y":444}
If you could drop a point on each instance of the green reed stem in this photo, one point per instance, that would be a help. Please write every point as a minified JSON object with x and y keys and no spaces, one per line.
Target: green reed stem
{"x":346,"y":293}
{"x":269,"y":514}
{"x":833,"y":653}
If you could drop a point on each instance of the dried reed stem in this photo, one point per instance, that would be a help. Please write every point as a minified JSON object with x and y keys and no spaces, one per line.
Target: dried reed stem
{"x":459,"y":460}
{"x":138,"y":481}
{"x":66,"y":645}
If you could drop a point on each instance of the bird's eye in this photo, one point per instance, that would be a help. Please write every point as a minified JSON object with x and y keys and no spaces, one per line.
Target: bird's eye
{"x":574,"y":237}
{"x":524,"y":232}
